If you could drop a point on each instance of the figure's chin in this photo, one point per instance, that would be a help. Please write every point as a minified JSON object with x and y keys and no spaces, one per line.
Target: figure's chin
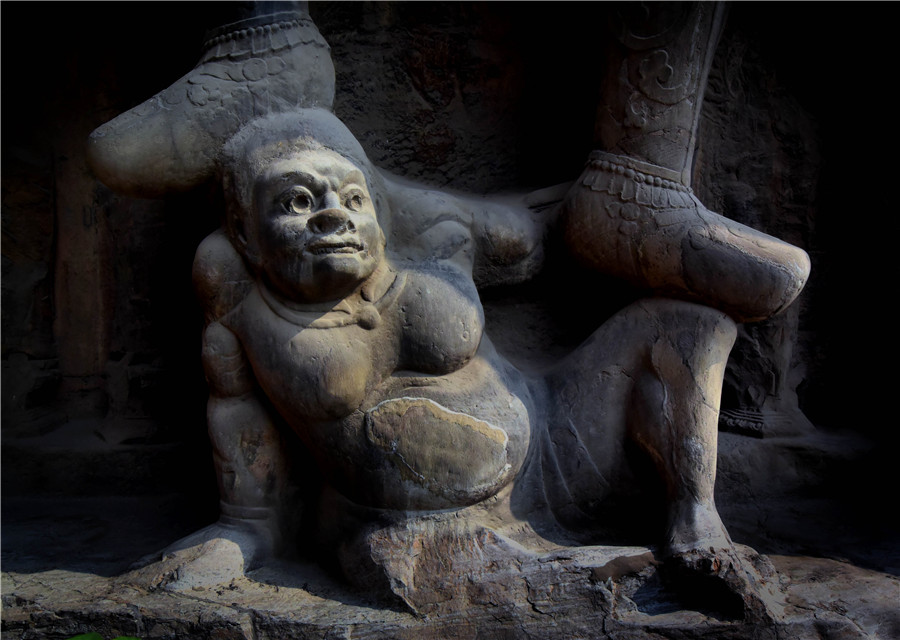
{"x":324,"y":276}
{"x":335,"y":275}
{"x":341,"y":266}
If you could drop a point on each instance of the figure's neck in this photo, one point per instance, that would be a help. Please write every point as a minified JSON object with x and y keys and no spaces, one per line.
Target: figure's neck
{"x":360,"y":303}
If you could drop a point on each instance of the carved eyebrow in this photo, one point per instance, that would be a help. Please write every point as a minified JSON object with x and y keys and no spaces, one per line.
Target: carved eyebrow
{"x":354,"y":177}
{"x":316,"y":184}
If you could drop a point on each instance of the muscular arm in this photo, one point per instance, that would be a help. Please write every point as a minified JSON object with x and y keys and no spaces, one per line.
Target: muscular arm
{"x":221,"y":280}
{"x":247,"y":446}
{"x":498,"y":240}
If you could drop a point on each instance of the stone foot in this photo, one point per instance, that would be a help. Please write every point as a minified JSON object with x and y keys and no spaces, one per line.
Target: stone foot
{"x":250,"y":68}
{"x":212,"y":556}
{"x":695,"y":526}
{"x":734,"y":583}
{"x":636,"y":221}
{"x":711,"y":573}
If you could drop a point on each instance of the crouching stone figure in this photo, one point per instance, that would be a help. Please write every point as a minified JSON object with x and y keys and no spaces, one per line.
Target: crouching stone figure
{"x":343,"y":317}
{"x":357,"y":405}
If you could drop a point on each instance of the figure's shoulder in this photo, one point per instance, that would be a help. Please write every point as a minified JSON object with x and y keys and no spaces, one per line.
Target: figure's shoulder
{"x":436,"y":277}
{"x":426,"y":223}
{"x":221,"y":279}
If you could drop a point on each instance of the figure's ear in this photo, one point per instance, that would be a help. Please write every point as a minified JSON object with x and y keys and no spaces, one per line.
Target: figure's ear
{"x":243,"y":244}
{"x":382,"y":204}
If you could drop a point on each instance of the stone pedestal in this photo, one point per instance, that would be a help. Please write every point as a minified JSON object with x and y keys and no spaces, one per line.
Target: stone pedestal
{"x":619,"y":600}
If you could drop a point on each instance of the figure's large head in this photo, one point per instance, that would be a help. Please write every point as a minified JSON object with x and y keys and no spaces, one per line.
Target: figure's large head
{"x":302,"y":202}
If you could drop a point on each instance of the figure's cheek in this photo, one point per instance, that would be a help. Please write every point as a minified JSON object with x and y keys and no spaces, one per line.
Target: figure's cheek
{"x":371,"y":233}
{"x":286,"y":233}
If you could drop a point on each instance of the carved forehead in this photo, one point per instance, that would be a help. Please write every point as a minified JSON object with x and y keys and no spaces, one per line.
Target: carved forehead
{"x":281,"y":134}
{"x":316,"y":168}
{"x":267,"y":141}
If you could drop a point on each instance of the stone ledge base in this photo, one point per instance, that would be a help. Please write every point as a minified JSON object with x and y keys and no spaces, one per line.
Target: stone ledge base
{"x":826,"y":599}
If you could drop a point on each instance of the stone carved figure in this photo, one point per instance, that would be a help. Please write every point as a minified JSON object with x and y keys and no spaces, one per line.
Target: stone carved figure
{"x":342,"y":312}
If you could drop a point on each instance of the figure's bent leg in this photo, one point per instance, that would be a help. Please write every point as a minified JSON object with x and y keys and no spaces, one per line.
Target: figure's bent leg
{"x":251,"y":468}
{"x":248,"y":456}
{"x":651,"y":376}
{"x":674,"y":413}
{"x":674,"y":418}
{"x":248,"y":450}
{"x":581,"y":450}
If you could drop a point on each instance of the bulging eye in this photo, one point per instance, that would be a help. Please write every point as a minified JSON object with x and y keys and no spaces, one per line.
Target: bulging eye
{"x":299,"y":202}
{"x":354,"y":201}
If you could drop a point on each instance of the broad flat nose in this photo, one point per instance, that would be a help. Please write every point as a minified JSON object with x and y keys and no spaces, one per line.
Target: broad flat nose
{"x":331,"y":220}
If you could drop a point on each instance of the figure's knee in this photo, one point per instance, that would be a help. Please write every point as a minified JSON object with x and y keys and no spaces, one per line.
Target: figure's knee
{"x":653,"y":348}
{"x":648,"y":318}
{"x":698,"y":335}
{"x":678,"y":386}
{"x":685,"y":316}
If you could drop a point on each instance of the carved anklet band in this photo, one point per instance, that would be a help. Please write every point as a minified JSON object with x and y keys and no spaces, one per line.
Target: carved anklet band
{"x":259,"y":35}
{"x":637,"y":169}
{"x":633,"y":180}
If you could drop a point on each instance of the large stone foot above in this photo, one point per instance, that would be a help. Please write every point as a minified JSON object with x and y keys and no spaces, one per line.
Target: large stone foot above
{"x":251,"y":68}
{"x":636,"y":221}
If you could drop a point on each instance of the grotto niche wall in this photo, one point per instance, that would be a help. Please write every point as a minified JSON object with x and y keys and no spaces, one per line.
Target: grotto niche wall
{"x":487,"y":131}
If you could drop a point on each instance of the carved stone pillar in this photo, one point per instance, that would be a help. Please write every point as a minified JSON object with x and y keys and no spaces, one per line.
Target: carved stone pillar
{"x":658,"y":60}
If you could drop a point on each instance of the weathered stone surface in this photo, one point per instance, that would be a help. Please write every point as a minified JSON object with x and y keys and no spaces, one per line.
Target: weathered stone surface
{"x":52,"y":548}
{"x":563,"y":598}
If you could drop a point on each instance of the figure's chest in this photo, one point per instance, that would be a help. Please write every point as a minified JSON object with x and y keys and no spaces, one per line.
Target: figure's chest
{"x":312,"y":373}
{"x":322,"y":368}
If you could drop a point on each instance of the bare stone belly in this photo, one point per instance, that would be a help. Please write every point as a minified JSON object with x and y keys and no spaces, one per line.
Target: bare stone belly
{"x":437,"y":442}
